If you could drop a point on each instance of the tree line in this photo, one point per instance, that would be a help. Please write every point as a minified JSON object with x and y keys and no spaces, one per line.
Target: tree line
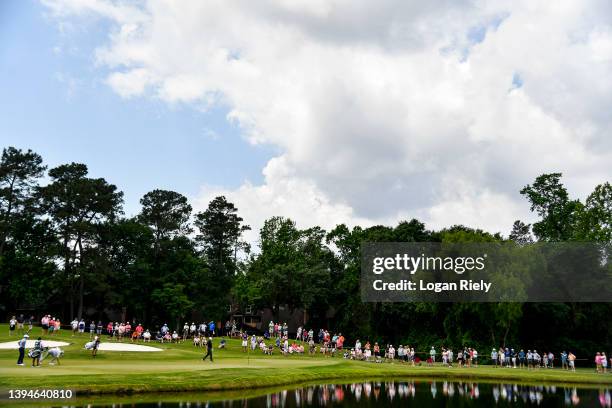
{"x":67,"y":247}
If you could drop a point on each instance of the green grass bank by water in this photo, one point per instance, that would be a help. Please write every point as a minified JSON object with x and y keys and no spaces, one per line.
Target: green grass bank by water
{"x":179,"y":368}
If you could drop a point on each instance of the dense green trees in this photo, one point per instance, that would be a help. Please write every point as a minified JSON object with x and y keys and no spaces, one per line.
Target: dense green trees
{"x":27,"y":242}
{"x":66,"y":248}
{"x":292,"y":269}
{"x":18,"y":174}
{"x":76,"y":206}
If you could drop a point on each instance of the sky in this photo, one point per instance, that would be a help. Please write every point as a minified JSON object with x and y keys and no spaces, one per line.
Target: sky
{"x":327,"y":112}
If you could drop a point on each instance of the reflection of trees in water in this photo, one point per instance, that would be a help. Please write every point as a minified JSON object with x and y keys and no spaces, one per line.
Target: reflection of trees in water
{"x":363,"y":393}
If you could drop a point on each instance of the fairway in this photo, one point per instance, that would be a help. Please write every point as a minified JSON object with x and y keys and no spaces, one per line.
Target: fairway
{"x":179,"y":368}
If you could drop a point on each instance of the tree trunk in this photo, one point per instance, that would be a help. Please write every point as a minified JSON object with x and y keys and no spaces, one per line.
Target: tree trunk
{"x":7,"y":217}
{"x":67,"y":273}
{"x":81,"y":285}
{"x":81,"y":279}
{"x":71,"y":300}
{"x":506,"y":335}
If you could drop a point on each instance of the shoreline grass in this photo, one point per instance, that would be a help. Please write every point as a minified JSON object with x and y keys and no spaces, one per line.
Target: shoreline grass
{"x":179,"y":369}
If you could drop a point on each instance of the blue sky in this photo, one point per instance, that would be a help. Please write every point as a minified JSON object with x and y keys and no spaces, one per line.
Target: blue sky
{"x":54,"y":101}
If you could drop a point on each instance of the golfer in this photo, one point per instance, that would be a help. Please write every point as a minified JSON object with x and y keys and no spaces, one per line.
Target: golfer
{"x":55,"y":354}
{"x":94,"y":350}
{"x":22,"y":346}
{"x":209,"y":350}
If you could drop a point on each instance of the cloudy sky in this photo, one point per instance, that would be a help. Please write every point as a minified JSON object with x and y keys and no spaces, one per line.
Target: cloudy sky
{"x":359,"y":112}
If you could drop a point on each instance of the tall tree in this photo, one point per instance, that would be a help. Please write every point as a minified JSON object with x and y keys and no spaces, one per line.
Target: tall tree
{"x":220,"y":237}
{"x":221,"y":230}
{"x":550,"y":200}
{"x":595,"y":224}
{"x":76,"y":204}
{"x":166,"y":213}
{"x":19,"y":174}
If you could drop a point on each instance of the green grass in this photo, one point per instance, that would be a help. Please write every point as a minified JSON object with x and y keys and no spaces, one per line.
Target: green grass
{"x":179,"y":368}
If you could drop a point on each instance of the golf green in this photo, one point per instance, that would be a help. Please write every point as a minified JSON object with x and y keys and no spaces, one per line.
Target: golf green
{"x":179,"y":367}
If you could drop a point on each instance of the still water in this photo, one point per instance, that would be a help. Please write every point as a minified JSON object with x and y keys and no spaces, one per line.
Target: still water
{"x":379,"y":394}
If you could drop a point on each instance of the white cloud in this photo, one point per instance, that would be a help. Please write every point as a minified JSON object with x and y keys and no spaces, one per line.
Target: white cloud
{"x":382,"y":109}
{"x":282,"y":194}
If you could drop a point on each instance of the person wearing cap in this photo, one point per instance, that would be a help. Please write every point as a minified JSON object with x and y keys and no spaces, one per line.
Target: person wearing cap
{"x":96,"y":345}
{"x":22,"y":346}
{"x":185,"y":331}
{"x":209,"y":350}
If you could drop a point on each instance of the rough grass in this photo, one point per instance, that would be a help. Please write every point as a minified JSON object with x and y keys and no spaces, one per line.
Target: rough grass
{"x":179,"y":368}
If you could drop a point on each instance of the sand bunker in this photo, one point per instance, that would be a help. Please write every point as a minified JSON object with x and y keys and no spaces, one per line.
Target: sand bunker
{"x":126,"y":347}
{"x":12,"y":345}
{"x":30,"y":343}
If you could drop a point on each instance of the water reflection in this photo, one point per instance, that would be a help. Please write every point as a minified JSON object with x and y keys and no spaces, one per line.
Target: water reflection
{"x":402,"y":393}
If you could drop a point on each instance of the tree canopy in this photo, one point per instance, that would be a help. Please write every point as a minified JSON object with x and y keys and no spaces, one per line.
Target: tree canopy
{"x":66,"y":247}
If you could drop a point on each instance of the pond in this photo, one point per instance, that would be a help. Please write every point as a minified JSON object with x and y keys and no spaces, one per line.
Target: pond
{"x":373,"y":394}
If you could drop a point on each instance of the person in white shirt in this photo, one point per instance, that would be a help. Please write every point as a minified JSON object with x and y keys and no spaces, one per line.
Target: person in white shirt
{"x":147,"y":336}
{"x":22,"y":345}
{"x":391,"y":353}
{"x":55,"y":354}
{"x":12,"y":325}
{"x":75,"y":325}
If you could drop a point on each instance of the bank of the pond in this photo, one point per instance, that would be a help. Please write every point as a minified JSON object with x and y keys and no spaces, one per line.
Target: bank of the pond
{"x":420,"y":392}
{"x":251,"y":378}
{"x":179,"y":368}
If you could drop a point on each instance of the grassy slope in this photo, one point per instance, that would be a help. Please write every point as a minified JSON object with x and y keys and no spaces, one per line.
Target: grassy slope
{"x":179,"y":368}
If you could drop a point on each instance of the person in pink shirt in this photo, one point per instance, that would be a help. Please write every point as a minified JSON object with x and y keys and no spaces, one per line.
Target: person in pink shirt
{"x":598,"y":364}
{"x":44,"y":324}
{"x":51,"y":325}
